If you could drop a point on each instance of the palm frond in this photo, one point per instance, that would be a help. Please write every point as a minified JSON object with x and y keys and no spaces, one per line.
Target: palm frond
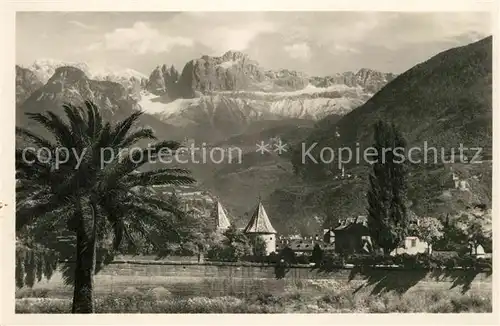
{"x":159,"y":179}
{"x":137,"y":136}
{"x":122,"y":128}
{"x":56,"y":126}
{"x":94,"y":119}
{"x":76,"y":121}
{"x":35,"y":139}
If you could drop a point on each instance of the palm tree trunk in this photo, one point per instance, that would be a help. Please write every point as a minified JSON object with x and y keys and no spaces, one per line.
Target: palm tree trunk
{"x":86,"y":245}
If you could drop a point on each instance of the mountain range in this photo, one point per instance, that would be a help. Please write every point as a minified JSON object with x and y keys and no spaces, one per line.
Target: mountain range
{"x":217,"y":97}
{"x":231,"y":101}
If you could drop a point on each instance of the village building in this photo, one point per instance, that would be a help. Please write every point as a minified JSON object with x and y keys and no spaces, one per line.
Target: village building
{"x":412,"y":245}
{"x":352,"y":236}
{"x":329,"y":236}
{"x":219,"y":218}
{"x":304,"y":245}
{"x":260,"y":226}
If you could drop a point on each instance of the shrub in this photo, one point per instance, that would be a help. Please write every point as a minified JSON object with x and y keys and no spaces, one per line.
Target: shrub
{"x":260,"y":301}
{"x":418,"y":261}
{"x":302,"y":259}
{"x":32,"y":293}
{"x":43,"y":305}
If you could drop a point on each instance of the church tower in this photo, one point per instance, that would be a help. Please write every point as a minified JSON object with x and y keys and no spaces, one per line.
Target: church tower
{"x":260,"y":226}
{"x":219,"y":218}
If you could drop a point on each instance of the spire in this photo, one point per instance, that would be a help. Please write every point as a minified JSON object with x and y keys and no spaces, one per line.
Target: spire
{"x":220,"y":217}
{"x":259,"y":222}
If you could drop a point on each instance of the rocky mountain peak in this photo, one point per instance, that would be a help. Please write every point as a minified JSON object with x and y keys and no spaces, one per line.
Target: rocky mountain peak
{"x":68,"y":74}
{"x":26,"y":83}
{"x":366,"y":73}
{"x":161,"y":79}
{"x":234,"y":56}
{"x":372,"y":80}
{"x":45,"y":68}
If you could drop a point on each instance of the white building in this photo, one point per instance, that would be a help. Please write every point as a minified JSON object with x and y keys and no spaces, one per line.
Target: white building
{"x":412,"y":245}
{"x":260,"y":226}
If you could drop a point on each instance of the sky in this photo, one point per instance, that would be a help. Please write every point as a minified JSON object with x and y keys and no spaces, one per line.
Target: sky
{"x":316,"y":43}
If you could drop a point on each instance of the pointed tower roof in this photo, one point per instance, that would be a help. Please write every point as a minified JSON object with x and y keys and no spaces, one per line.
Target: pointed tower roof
{"x":220,"y":217}
{"x":259,"y":223}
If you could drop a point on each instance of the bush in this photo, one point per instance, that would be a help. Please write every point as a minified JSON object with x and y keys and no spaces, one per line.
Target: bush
{"x":418,"y":261}
{"x":264,"y":302}
{"x":303,"y":259}
{"x":32,"y":293}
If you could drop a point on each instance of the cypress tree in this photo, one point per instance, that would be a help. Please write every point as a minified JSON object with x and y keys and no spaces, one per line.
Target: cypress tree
{"x":387,"y":213}
{"x":19,"y":268}
{"x":39,"y":266}
{"x":30,"y":268}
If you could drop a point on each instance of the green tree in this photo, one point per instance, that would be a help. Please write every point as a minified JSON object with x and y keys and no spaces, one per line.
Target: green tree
{"x":232,"y":247}
{"x":428,"y":229}
{"x":236,"y":243}
{"x":258,"y":246}
{"x":473,"y":226}
{"x":288,"y":255}
{"x":92,"y":191}
{"x":388,"y":219}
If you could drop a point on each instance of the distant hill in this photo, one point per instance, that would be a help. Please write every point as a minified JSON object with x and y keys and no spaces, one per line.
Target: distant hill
{"x":446,"y":101}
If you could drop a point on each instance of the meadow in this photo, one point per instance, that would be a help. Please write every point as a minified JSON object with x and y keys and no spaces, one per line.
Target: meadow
{"x":132,"y":294}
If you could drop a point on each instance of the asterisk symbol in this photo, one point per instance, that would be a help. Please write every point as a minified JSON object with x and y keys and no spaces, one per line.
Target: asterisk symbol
{"x":262,"y":147}
{"x":280,"y":147}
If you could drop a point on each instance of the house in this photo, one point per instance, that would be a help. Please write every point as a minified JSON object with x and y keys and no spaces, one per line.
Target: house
{"x":352,"y":236}
{"x":412,"y":245}
{"x":301,"y":246}
{"x":329,"y":236}
{"x":478,"y":251}
{"x":304,"y":245}
{"x":260,"y":226}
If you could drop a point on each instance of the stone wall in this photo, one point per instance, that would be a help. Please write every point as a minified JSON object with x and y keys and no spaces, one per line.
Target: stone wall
{"x":378,"y":278}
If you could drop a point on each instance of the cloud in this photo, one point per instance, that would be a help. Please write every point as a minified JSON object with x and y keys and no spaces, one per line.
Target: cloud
{"x":237,"y":38}
{"x":219,"y":32}
{"x":340,"y":48}
{"x":140,"y":39}
{"x":313,"y":42}
{"x":81,"y":25}
{"x":300,"y":51}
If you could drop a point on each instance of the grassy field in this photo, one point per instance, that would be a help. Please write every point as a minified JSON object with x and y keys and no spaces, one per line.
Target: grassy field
{"x":216,"y":295}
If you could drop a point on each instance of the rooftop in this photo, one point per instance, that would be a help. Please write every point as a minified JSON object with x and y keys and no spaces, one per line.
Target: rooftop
{"x":259,"y":222}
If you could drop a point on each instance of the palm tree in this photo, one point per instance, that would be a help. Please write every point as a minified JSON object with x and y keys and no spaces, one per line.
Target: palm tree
{"x":92,"y":190}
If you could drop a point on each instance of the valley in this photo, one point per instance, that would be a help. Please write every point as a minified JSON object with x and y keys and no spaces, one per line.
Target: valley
{"x":231,"y":101}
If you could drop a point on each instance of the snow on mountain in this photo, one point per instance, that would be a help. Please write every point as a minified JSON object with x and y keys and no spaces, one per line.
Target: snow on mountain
{"x":309,"y":103}
{"x":153,"y":105}
{"x":309,"y":89}
{"x":227,"y":64}
{"x":44,"y":69}
{"x":235,"y":85}
{"x":119,"y":73}
{"x":26,"y":84}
